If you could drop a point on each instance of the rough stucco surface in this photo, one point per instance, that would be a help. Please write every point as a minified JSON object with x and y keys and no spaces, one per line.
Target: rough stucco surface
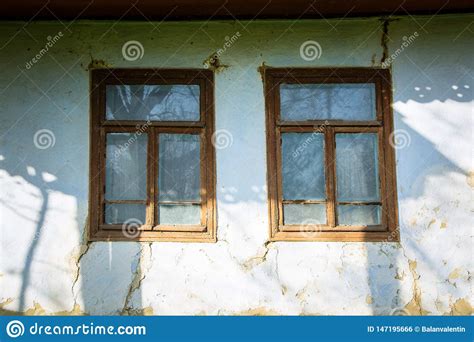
{"x":47,"y":267}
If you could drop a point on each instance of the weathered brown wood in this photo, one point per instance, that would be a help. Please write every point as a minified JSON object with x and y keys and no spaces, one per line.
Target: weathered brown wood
{"x":330,"y":169}
{"x":151,"y":230}
{"x":383,"y":126}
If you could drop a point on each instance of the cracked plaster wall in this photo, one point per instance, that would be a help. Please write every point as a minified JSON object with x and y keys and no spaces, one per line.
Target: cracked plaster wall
{"x":429,"y":272}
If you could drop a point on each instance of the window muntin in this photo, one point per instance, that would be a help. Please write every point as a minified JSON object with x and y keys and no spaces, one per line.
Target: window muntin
{"x":330,"y":165}
{"x":152,"y":158}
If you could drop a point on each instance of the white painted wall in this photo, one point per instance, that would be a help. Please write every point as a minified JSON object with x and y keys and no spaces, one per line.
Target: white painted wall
{"x":47,"y":268}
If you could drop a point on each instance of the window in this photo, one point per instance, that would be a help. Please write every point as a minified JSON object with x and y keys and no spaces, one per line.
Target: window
{"x":331,"y":174}
{"x":152,"y":170}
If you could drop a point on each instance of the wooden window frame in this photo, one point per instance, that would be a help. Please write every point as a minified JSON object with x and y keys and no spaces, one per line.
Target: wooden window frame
{"x":99,"y":126}
{"x":383,"y":125}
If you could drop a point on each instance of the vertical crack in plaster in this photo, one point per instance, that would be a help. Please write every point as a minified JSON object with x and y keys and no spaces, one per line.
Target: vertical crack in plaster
{"x":143,"y":266}
{"x":277,"y":272}
{"x":384,"y":40}
{"x":414,"y":306}
{"x":83,"y":249}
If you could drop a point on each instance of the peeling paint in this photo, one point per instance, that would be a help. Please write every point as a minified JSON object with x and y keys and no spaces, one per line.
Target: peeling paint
{"x":455,"y":274}
{"x":422,"y":273}
{"x":414,"y":307}
{"x":36,"y":310}
{"x":462,"y":307}
{"x":261,"y":70}
{"x":470,"y":179}
{"x":259,"y":311}
{"x":258,"y":259}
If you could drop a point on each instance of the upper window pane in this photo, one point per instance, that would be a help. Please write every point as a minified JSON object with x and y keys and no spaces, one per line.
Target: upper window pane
{"x":179,"y":170}
{"x":350,"y":101}
{"x":125,"y":166}
{"x":357,"y":167}
{"x":152,"y":102}
{"x":303,"y":166}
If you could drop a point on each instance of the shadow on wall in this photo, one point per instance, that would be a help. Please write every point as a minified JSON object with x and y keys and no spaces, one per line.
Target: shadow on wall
{"x":42,"y":240}
{"x":103,"y":274}
{"x":433,"y":120}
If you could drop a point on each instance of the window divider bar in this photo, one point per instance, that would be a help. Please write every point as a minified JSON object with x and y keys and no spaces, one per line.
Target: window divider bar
{"x":125,"y":201}
{"x":152,"y":171}
{"x":330,"y":166}
{"x":135,"y":123}
{"x":179,"y":202}
{"x":302,"y":201}
{"x":337,"y":123}
{"x":360,"y":203}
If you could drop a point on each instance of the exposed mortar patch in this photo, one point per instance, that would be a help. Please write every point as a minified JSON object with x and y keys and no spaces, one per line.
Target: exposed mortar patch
{"x":261,"y":71}
{"x":461,"y":307}
{"x":213,"y":63}
{"x":414,"y":306}
{"x":259,"y":311}
{"x":97,"y":64}
{"x":258,"y":259}
{"x":470,"y":179}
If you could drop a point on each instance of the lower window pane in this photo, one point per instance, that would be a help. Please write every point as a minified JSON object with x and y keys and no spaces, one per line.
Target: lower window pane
{"x":305,"y":214}
{"x":358,"y":215}
{"x":121,"y":213}
{"x":172,"y":214}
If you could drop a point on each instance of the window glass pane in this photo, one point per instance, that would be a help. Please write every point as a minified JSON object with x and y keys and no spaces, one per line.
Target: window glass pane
{"x":179,"y":214}
{"x":358,"y":215}
{"x":179,"y":167}
{"x":351,"y":101}
{"x":303,"y":166}
{"x":120,"y":213}
{"x":152,"y":102}
{"x":357,"y":167}
{"x":125,"y":166}
{"x":304,"y":214}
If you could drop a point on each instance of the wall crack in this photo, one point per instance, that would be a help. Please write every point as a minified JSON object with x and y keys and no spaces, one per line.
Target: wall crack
{"x":143,"y":266}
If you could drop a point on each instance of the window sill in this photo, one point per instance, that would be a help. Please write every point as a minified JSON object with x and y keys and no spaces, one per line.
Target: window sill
{"x":337,"y":236}
{"x":153,"y":236}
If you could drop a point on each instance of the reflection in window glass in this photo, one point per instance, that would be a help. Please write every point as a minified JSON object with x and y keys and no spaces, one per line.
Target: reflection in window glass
{"x":125,"y":167}
{"x":153,"y":102}
{"x":301,"y":102}
{"x":357,"y":167}
{"x":303,"y":166}
{"x":179,"y":167}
